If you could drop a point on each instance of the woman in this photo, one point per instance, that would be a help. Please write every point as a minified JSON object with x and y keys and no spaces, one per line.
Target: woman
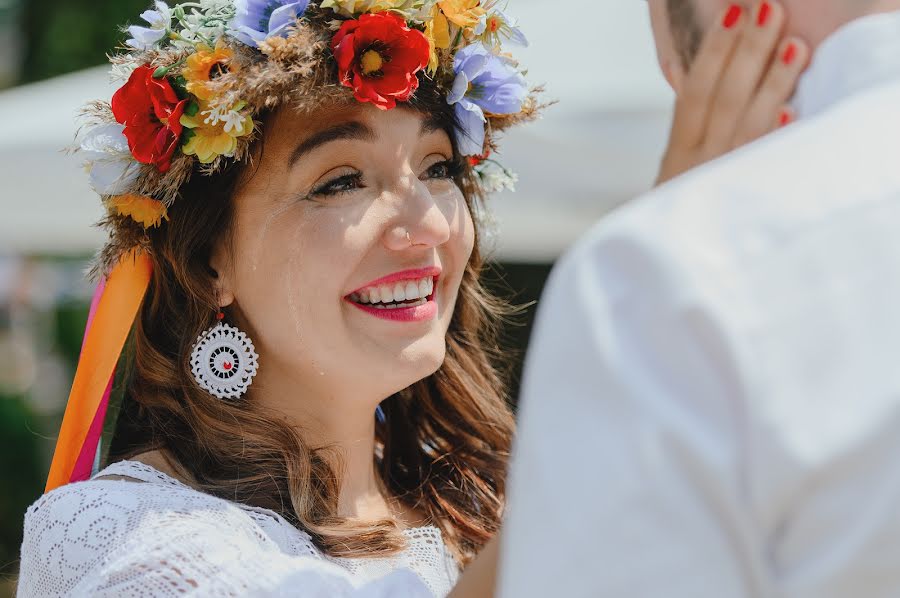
{"x":310,"y":407}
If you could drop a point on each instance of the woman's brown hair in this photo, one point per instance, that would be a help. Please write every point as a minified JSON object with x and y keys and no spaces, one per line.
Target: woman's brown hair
{"x":444,"y":441}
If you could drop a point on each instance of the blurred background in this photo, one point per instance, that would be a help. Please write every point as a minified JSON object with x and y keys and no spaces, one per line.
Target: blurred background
{"x":598,"y":147}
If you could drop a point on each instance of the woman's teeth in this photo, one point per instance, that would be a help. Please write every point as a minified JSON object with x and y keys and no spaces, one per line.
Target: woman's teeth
{"x":408,"y":293}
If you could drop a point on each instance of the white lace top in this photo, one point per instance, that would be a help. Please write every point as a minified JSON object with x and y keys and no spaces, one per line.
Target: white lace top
{"x":163,"y":538}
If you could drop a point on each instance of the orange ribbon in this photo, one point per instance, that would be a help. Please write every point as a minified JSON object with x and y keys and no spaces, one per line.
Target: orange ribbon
{"x":125,"y":289}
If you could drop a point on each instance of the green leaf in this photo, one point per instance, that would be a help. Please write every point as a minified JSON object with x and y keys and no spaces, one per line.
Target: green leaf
{"x":192,"y":109}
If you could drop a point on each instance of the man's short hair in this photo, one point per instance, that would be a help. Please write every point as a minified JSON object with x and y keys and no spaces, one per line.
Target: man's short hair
{"x":686,"y":29}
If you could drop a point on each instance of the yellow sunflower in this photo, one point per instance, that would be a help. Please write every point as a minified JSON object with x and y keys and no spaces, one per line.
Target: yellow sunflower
{"x":204,"y":65}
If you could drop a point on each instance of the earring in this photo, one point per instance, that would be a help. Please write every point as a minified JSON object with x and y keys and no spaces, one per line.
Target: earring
{"x":224,"y":360}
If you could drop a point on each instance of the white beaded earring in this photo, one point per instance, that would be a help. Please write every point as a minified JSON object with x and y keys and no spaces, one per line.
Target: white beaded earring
{"x":224,"y":360}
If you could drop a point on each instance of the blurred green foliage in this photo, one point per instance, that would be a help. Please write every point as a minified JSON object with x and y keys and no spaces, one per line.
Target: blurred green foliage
{"x":27,"y":440}
{"x":67,"y":35}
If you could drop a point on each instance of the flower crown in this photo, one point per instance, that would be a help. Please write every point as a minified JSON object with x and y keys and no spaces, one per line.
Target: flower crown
{"x":200,"y":72}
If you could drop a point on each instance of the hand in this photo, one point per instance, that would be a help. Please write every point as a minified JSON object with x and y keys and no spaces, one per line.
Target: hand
{"x":737,"y":88}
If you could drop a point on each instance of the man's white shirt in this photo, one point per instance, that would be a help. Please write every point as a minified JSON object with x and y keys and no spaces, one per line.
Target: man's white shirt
{"x":711,"y":403}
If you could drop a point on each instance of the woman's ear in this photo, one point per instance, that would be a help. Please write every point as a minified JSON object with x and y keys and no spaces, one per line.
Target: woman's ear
{"x":220,"y":265}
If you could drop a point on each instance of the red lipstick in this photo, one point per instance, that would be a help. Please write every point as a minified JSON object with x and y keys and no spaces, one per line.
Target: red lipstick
{"x":417,"y":311}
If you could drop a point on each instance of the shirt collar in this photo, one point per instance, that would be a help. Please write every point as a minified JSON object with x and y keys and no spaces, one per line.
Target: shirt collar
{"x":862,"y":54}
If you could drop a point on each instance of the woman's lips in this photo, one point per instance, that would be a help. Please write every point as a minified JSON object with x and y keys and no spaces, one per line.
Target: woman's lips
{"x":414,"y":313}
{"x":405,"y":275}
{"x":407,"y":296}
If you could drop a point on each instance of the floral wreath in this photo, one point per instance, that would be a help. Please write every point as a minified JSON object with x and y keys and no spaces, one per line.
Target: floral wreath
{"x":200,"y":72}
{"x":196,"y":81}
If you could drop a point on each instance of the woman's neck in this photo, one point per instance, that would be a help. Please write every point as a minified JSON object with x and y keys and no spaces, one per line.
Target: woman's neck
{"x":346,"y":428}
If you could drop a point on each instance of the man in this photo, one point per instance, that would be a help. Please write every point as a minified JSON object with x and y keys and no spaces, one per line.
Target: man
{"x":711,"y":404}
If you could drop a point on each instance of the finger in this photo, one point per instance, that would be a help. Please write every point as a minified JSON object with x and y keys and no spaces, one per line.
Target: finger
{"x":692,"y":107}
{"x":743,"y":74}
{"x":765,"y":111}
{"x":786,"y":116}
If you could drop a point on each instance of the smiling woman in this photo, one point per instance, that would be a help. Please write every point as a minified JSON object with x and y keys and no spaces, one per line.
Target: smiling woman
{"x":310,"y":393}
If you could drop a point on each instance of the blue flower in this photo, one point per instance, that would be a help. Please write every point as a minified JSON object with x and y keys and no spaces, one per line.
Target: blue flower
{"x":485,"y":82}
{"x":256,"y":20}
{"x":144,"y":38}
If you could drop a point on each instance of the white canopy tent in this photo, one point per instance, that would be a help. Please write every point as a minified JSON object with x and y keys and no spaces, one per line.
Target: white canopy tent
{"x":597,"y":147}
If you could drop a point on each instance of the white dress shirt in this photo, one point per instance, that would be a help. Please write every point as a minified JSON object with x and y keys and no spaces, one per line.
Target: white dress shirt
{"x":711,"y":403}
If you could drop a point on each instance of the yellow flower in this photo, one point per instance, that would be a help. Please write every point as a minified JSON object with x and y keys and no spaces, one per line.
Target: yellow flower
{"x":203,"y":66}
{"x":140,"y":208}
{"x":351,"y":8}
{"x":462,"y":13}
{"x":215,"y":131}
{"x":437,"y":31}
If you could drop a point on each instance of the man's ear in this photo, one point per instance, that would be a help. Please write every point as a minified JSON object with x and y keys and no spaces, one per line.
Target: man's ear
{"x":220,"y":265}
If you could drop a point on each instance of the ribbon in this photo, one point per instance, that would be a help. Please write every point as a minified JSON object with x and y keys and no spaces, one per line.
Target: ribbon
{"x":113,"y":310}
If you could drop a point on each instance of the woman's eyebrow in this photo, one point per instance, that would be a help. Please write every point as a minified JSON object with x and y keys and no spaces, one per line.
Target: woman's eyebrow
{"x":346,"y":130}
{"x":432,"y":123}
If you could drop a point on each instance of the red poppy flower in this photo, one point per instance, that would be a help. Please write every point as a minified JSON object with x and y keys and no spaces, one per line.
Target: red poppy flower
{"x":151,"y":112}
{"x":378,"y":56}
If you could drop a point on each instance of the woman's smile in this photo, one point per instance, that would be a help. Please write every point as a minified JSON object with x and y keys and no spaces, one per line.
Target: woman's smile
{"x":407,"y":296}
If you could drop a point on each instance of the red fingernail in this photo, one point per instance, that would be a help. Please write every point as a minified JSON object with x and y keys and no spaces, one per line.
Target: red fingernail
{"x":785,"y":118}
{"x":790,"y":53}
{"x":732,"y":16}
{"x":765,"y":9}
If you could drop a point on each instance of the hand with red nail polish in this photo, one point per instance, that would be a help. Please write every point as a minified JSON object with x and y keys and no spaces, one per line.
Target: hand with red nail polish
{"x":737,"y":88}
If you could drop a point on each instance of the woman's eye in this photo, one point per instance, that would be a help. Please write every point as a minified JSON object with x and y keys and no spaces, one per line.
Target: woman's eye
{"x":341,"y":184}
{"x":447,"y":169}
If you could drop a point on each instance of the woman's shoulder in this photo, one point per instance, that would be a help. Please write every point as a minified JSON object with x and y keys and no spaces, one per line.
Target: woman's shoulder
{"x":87,"y":520}
{"x":123,"y":491}
{"x":133,"y":530}
{"x":130,"y":497}
{"x":126,"y":513}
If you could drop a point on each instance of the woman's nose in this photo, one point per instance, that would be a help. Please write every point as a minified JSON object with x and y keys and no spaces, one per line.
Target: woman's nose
{"x":420,"y":222}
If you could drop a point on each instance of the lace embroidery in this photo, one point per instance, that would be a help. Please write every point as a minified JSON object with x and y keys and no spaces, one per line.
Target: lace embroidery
{"x":163,"y":538}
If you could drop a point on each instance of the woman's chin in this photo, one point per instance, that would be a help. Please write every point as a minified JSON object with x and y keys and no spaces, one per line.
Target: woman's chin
{"x":411,"y":364}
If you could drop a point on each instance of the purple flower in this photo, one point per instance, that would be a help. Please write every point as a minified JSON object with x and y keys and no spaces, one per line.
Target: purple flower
{"x":144,"y":38}
{"x":256,"y":20}
{"x":485,"y":82}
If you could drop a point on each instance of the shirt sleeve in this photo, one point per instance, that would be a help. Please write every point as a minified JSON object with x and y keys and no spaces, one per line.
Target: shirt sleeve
{"x":102,"y":539}
{"x":626,"y":477}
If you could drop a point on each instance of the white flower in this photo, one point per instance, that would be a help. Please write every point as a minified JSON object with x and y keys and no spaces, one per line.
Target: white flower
{"x":213,"y":6}
{"x":108,"y":160}
{"x":203,"y":25}
{"x":495,"y":27}
{"x":144,"y":38}
{"x":232,"y":117}
{"x":494,"y":179}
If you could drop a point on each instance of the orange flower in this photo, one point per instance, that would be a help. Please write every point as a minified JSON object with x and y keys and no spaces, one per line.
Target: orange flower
{"x":205,"y":65}
{"x":140,"y":208}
